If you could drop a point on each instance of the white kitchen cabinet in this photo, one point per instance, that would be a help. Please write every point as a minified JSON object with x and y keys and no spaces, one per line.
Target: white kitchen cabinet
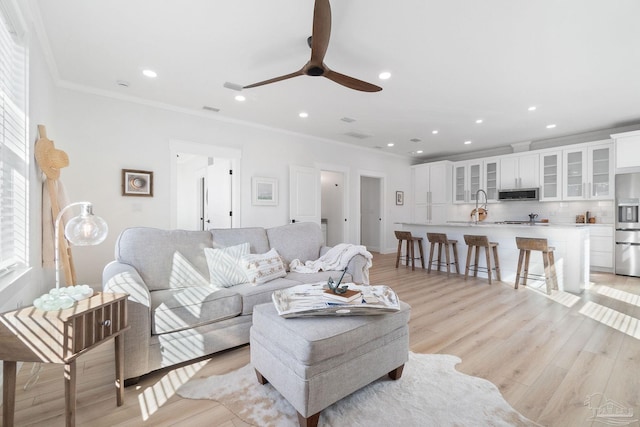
{"x":588,"y":172}
{"x":432,"y":188}
{"x":467,"y":180}
{"x":519,"y":171}
{"x":551,"y":176}
{"x":627,"y":149}
{"x":601,"y":247}
{"x":491,"y":178}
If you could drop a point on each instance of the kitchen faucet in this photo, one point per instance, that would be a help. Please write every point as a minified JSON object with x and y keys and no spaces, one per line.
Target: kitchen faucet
{"x":477,"y":211}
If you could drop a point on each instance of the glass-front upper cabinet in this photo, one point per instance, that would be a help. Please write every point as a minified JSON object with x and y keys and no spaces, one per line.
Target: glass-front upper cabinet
{"x":551,"y":176}
{"x":588,"y":172}
{"x":491,"y":178}
{"x":467,"y":180}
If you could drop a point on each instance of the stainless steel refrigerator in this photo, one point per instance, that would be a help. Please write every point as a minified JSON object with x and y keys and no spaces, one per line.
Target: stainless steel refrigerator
{"x":627,"y":224}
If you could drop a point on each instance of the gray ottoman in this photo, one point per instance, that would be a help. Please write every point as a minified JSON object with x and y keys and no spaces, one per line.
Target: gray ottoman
{"x":316,"y":361}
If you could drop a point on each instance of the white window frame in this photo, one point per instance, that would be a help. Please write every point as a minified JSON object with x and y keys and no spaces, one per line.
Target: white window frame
{"x":14,"y":147}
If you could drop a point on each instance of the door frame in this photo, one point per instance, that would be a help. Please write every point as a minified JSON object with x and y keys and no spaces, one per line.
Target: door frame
{"x":383,"y":205}
{"x":235,"y":155}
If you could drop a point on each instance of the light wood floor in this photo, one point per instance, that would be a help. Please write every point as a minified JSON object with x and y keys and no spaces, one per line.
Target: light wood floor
{"x":547,"y":355}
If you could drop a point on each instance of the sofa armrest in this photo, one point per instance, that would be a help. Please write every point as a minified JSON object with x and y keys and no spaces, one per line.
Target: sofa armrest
{"x":358,"y":267}
{"x":123,"y":278}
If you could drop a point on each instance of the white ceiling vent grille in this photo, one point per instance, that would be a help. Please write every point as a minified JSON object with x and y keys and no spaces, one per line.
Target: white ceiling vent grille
{"x":214,"y":109}
{"x":358,"y":135}
{"x":348,"y":120}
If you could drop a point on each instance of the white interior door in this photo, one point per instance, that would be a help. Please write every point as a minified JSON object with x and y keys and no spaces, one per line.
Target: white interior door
{"x":370,"y":213}
{"x":304,"y":194}
{"x":219,"y":190}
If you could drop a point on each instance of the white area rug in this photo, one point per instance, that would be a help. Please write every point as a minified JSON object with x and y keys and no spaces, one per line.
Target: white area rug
{"x":429,"y":393}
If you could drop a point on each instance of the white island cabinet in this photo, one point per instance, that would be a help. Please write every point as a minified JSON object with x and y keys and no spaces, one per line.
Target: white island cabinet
{"x":571,"y":244}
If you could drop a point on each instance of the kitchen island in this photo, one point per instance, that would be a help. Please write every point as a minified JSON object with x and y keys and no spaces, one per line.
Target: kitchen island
{"x":571,"y":244}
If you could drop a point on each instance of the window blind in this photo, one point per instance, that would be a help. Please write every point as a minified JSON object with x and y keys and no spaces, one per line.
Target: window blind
{"x":13,"y":145}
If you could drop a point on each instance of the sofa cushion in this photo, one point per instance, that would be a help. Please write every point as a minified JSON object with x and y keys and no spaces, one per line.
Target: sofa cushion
{"x":177,"y":309}
{"x":224,"y":265}
{"x":151,"y":252}
{"x":253,"y":295}
{"x":301,"y":240}
{"x":261,"y":268}
{"x":256,"y":236}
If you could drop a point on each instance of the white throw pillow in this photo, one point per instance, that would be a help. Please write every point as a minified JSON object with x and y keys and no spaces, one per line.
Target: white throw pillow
{"x":224,"y":268}
{"x":261,"y":268}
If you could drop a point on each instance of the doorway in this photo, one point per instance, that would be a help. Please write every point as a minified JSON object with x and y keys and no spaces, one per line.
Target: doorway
{"x":204,"y":187}
{"x":332,"y":207}
{"x":371,"y":208}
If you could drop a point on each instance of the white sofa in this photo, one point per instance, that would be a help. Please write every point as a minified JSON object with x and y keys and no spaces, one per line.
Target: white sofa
{"x":175,"y":314}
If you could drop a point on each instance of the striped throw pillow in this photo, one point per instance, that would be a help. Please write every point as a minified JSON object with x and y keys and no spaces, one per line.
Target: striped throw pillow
{"x":261,"y":268}
{"x":224,"y":268}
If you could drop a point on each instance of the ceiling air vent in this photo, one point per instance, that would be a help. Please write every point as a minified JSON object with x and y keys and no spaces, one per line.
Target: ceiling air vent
{"x":214,"y":109}
{"x":232,"y":86}
{"x":348,"y":120}
{"x":358,"y":135}
{"x":415,"y":140}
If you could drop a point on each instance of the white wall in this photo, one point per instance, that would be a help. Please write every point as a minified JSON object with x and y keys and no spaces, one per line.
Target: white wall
{"x":103,"y":135}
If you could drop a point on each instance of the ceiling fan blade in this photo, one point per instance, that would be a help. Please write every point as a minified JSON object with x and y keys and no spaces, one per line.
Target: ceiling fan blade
{"x":275,"y":79}
{"x":321,"y":31}
{"x":351,"y":82}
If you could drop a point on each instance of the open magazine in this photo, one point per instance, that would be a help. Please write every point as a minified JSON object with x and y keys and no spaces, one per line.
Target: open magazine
{"x":310,"y":300}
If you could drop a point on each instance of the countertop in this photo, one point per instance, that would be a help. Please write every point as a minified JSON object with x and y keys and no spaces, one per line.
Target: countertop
{"x":502,"y":225}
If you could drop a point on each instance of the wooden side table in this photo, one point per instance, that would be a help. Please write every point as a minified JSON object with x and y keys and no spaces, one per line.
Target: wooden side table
{"x":32,"y":335}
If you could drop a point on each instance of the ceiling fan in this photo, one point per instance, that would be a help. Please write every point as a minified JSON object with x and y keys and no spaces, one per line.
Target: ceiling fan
{"x":319,"y":41}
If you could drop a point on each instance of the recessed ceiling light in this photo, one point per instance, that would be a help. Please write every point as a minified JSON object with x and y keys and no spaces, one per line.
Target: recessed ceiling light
{"x":385,"y":75}
{"x":150,"y":73}
{"x":391,"y":144}
{"x":419,"y":151}
{"x":467,"y":142}
{"x":303,"y":115}
{"x":240,"y":98}
{"x":532,"y":108}
{"x":551,"y":126}
{"x":479,"y":121}
{"x":435,"y":132}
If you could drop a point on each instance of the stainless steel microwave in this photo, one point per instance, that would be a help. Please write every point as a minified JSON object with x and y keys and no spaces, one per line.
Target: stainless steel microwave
{"x":519,"y":194}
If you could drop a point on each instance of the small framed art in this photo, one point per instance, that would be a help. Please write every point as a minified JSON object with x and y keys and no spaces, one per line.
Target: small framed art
{"x":264,"y":191}
{"x":137,"y":183}
{"x":399,"y":197}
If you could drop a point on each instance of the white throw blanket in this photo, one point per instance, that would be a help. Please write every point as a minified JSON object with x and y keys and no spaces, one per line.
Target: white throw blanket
{"x":336,"y":258}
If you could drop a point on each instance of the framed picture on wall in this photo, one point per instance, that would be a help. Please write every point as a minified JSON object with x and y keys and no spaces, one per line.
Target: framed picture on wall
{"x":399,"y":197}
{"x":264,"y":191}
{"x":137,"y":183}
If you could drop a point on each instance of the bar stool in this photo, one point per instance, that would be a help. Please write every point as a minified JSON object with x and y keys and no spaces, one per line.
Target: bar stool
{"x":410,"y":252}
{"x":528,"y":244}
{"x":478,"y":242}
{"x":441,"y":240}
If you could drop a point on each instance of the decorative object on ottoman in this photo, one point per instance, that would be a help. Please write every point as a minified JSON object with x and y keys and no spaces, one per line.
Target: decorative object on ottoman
{"x":314,"y":362}
{"x":315,"y":299}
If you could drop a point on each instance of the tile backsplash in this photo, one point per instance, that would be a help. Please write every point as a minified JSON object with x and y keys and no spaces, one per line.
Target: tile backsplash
{"x":555,"y":212}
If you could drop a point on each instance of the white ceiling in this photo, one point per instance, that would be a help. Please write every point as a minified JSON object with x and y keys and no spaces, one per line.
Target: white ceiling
{"x":452,"y":62}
